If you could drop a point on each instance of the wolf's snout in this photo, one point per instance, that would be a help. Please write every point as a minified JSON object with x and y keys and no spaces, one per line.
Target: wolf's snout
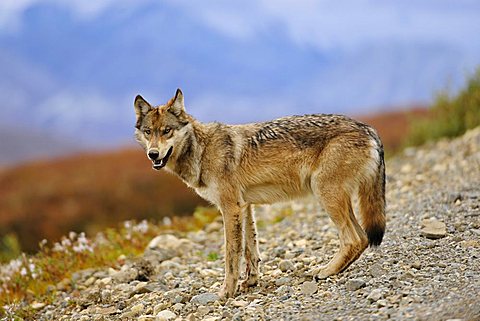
{"x":153,"y":154}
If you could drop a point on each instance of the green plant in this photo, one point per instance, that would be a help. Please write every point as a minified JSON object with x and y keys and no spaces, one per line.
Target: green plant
{"x":212,"y":256}
{"x":450,"y":116}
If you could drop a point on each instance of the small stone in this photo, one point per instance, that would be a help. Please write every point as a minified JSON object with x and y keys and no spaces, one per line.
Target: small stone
{"x":126,"y":275}
{"x":376,"y":270}
{"x":178,"y":306}
{"x":106,"y":280}
{"x":239,"y":303}
{"x":286,"y":265}
{"x":308,"y":288}
{"x":159,"y":307}
{"x":375,"y":295}
{"x":63,"y":285}
{"x":204,"y":298}
{"x":417,"y":265}
{"x":90,"y":281}
{"x":107,"y":310}
{"x":355,"y":284}
{"x":140,"y":288}
{"x":214,"y":226}
{"x":282,"y":281}
{"x":203,"y":310}
{"x":121,"y":258}
{"x":37,"y":305}
{"x":475,"y":231}
{"x":137,"y":308}
{"x":433,"y":229}
{"x":382,"y":303}
{"x":146,"y":317}
{"x":226,"y":315}
{"x":166,"y":315}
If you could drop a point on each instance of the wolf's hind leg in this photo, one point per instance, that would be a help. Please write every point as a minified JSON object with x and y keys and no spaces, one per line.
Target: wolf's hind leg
{"x":252,"y":254}
{"x":353,"y":240}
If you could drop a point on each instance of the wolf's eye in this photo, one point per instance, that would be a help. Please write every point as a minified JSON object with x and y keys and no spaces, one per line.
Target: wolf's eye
{"x":166,"y":130}
{"x":147,"y":131}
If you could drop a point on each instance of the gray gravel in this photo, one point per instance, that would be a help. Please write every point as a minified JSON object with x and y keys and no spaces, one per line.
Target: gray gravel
{"x":427,"y":268}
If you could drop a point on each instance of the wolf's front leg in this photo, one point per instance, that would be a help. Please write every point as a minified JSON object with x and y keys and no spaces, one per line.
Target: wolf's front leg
{"x":232,"y":222}
{"x":252,"y":255}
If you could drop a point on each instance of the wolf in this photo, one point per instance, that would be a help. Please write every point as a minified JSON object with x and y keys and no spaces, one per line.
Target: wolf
{"x":331,"y":157}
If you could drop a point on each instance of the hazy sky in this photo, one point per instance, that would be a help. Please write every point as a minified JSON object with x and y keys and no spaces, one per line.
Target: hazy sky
{"x":78,"y":64}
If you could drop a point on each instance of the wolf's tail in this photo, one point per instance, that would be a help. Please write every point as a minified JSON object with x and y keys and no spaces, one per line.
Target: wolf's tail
{"x":372,"y":201}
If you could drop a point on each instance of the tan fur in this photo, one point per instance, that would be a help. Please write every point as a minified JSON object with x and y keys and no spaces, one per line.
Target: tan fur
{"x":234,"y":166}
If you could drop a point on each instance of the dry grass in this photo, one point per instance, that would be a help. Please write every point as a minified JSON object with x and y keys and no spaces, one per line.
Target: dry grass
{"x":33,"y":278}
{"x":87,"y":192}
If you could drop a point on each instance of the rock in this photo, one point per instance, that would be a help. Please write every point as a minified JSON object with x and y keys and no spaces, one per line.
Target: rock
{"x":375,"y":295}
{"x":226,"y":315}
{"x":105,"y":281}
{"x":158,"y":308}
{"x":239,"y":303}
{"x":170,"y":246}
{"x":214,"y":226}
{"x":308,"y":288}
{"x":376,"y":270}
{"x":125,"y":276}
{"x":137,"y":308}
{"x":37,"y":305}
{"x":178,"y":306}
{"x":433,"y":229}
{"x":278,"y":252}
{"x":90,"y":281}
{"x":417,"y":265}
{"x":146,"y":317}
{"x":284,"y":289}
{"x":203,"y":310}
{"x":286,"y":265}
{"x":355,"y":284}
{"x":204,"y":298}
{"x":166,"y":315}
{"x":64,"y":284}
{"x":140,"y":288}
{"x":133,"y":312}
{"x":475,"y":231}
{"x":282,"y":281}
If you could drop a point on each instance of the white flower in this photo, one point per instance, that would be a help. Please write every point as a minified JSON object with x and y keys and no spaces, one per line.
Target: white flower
{"x":141,"y":227}
{"x":23,"y":271}
{"x":167,"y":221}
{"x":82,"y":244}
{"x":58,"y":248}
{"x":66,"y":242}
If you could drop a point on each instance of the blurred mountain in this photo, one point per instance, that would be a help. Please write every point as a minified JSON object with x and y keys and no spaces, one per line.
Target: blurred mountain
{"x":77,"y":75}
{"x":21,"y":144}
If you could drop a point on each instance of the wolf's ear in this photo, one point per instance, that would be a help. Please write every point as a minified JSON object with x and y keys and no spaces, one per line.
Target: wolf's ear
{"x":141,"y":107}
{"x":176,"y":105}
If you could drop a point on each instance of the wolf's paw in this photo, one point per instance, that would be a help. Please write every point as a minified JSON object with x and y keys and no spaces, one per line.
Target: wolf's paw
{"x":226,"y":292}
{"x":322,"y":272}
{"x":250,"y":282}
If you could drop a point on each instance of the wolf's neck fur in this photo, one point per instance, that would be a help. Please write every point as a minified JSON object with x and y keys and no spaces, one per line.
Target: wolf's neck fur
{"x":187,"y":157}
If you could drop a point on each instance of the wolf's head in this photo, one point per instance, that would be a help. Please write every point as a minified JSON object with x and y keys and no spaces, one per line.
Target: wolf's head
{"x":160,"y":129}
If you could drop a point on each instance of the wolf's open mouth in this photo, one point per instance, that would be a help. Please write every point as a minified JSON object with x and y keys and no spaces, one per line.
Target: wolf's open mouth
{"x":159,"y":163}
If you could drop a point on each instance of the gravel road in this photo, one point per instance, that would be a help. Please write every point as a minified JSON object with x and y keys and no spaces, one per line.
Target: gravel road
{"x":427,"y":268}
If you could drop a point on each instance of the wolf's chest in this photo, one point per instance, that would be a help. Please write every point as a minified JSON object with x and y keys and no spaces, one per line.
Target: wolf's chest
{"x":209,"y":193}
